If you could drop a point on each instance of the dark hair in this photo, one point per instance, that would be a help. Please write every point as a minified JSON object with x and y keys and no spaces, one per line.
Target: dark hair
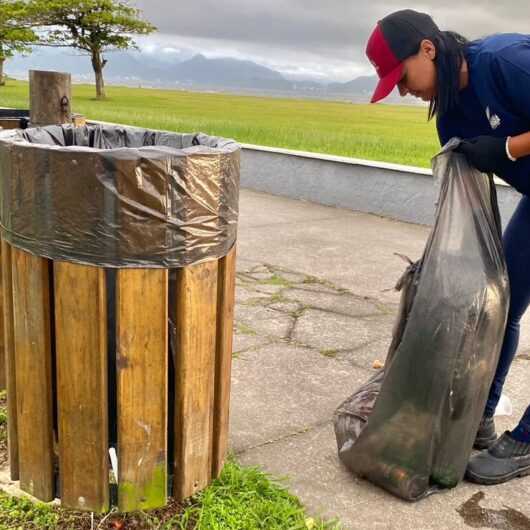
{"x":450,"y":48}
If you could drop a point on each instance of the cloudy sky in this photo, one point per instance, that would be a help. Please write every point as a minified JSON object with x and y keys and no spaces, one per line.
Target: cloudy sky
{"x":315,"y":38}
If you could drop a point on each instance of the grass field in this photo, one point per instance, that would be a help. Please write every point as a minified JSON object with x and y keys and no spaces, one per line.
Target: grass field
{"x":399,"y":134}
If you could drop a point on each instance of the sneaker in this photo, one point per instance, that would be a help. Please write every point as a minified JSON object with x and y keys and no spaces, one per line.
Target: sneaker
{"x":505,"y":459}
{"x":486,"y":434}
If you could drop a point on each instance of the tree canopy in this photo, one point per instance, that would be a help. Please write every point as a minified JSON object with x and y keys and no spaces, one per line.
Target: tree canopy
{"x":89,"y":24}
{"x":93,"y":26}
{"x":16,"y":33}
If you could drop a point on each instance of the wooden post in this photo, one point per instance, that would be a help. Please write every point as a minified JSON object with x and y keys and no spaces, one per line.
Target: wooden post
{"x":3,"y":367}
{"x":196,"y":314}
{"x":50,"y":96}
{"x":81,"y":343}
{"x":142,"y":312}
{"x":33,"y":370}
{"x":226,"y":286}
{"x":9,"y":350}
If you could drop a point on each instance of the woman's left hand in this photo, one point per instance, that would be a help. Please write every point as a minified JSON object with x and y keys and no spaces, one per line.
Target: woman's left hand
{"x":486,"y":153}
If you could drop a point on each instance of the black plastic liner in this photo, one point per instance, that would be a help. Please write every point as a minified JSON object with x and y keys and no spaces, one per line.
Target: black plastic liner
{"x":116,"y":196}
{"x":410,"y":429}
{"x":14,"y":113}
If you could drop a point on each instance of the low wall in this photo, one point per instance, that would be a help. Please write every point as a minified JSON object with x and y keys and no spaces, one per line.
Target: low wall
{"x":401,"y":192}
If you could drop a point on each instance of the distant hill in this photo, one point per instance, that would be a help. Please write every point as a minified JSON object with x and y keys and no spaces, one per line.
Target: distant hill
{"x":228,"y":72}
{"x":359,"y":85}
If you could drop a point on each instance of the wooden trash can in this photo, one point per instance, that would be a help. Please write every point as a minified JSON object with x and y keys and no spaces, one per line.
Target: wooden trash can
{"x":88,"y":347}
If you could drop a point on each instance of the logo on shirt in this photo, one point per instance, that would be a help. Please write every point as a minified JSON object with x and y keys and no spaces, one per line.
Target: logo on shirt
{"x":494,"y":120}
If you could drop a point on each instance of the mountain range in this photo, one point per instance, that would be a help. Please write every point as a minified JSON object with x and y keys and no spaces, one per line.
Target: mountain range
{"x":185,"y":69}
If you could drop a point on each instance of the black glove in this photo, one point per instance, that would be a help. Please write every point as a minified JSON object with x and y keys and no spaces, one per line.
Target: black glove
{"x":486,"y":153}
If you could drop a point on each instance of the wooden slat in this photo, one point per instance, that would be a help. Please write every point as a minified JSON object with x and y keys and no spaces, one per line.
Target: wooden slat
{"x":142,"y":359}
{"x":9,"y":349}
{"x":196,"y":304}
{"x":81,"y":349}
{"x":223,"y":364}
{"x":3,"y":366}
{"x":32,"y":347}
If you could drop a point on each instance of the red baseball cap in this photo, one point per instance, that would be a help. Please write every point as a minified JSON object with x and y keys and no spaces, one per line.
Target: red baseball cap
{"x":396,"y":37}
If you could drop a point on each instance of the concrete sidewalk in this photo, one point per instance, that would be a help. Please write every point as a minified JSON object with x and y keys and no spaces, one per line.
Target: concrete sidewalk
{"x":315,"y":308}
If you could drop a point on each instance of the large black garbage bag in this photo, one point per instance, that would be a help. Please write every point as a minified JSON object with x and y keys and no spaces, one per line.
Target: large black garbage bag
{"x":410,"y":429}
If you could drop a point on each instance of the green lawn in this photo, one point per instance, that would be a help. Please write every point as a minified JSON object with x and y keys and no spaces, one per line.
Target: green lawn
{"x":399,"y":134}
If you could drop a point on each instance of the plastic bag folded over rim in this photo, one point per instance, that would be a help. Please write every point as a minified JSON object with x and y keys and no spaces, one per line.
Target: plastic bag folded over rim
{"x":115,"y":196}
{"x":410,"y":429}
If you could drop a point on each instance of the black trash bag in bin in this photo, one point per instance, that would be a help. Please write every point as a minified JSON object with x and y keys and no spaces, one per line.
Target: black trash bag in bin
{"x":410,"y":429}
{"x":119,"y":197}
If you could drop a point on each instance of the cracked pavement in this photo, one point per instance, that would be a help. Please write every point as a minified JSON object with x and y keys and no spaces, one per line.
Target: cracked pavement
{"x":315,"y":307}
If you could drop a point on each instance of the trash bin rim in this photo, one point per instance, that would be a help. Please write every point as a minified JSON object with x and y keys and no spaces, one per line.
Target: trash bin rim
{"x":13,"y":137}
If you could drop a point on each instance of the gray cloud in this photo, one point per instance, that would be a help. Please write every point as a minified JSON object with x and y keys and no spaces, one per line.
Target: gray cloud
{"x":312,"y":34}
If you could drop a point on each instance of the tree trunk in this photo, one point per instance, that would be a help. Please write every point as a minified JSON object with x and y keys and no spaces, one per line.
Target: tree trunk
{"x":2,"y":80}
{"x":98,"y":64}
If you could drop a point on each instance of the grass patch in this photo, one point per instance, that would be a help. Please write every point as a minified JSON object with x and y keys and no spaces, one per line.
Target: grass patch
{"x":329,"y":353}
{"x":24,"y":514}
{"x":247,"y":499}
{"x":313,"y":280}
{"x":390,"y":133}
{"x":275,"y":279}
{"x":244,"y":329}
{"x":277,"y":298}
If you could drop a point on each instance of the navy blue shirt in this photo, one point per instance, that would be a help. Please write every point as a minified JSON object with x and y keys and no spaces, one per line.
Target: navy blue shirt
{"x":496,"y":101}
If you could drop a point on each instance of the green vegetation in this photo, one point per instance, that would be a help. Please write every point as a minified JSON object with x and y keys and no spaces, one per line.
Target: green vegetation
{"x":23,"y":513}
{"x":244,"y":329}
{"x":241,"y":499}
{"x":387,"y":133}
{"x":331,"y":353}
{"x":246,"y":499}
{"x":15,"y":31}
{"x":275,"y":279}
{"x":151,"y":494}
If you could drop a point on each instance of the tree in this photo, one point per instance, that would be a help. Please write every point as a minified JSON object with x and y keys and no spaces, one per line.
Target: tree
{"x":92,"y":26}
{"x":15,"y":32}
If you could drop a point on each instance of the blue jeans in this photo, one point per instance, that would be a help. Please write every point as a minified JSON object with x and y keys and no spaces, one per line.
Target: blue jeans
{"x":516,"y":243}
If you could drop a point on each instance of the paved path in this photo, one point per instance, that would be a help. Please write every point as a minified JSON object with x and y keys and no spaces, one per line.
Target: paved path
{"x":315,"y":309}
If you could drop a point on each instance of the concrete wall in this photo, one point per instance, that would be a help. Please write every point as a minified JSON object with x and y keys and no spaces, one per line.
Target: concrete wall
{"x":390,"y":190}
